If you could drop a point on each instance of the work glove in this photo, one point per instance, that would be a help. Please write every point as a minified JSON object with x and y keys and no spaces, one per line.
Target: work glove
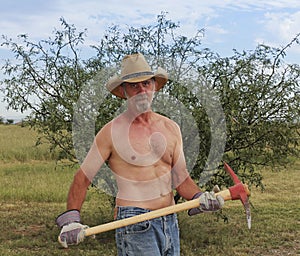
{"x":72,"y":232}
{"x":208,"y":203}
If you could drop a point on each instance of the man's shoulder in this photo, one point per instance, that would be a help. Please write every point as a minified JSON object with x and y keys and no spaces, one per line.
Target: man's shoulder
{"x":115,"y":124}
{"x":168,"y":123}
{"x":104,"y":131}
{"x":165,"y":118}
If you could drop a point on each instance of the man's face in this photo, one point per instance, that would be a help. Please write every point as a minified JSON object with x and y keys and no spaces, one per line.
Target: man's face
{"x":139,"y":95}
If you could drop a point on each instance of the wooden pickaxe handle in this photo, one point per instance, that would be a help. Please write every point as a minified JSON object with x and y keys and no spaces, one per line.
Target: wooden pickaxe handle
{"x":154,"y":214}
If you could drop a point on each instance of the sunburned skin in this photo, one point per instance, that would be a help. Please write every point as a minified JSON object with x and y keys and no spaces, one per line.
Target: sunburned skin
{"x":136,"y":144}
{"x":141,"y":161}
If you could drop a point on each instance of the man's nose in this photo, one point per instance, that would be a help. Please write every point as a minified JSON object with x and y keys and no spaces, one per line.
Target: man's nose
{"x":141,"y":87}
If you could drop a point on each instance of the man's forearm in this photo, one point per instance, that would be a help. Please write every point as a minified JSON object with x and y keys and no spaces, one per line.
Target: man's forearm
{"x":77,"y":192}
{"x":188,"y":188}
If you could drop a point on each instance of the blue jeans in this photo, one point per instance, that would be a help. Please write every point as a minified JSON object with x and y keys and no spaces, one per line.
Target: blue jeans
{"x":156,"y":237}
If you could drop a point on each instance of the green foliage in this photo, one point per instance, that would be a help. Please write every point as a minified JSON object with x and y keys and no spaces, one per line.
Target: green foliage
{"x":260,"y":98}
{"x":46,"y":79}
{"x":249,"y":102}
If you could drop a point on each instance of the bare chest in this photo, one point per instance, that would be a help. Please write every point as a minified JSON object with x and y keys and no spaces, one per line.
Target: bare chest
{"x":144,"y":147}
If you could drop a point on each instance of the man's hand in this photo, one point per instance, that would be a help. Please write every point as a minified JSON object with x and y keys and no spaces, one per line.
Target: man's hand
{"x":208,"y":203}
{"x":72,"y":232}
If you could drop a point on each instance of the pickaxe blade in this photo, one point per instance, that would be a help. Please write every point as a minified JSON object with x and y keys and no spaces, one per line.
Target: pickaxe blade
{"x":248,"y":212}
{"x":239,"y":191}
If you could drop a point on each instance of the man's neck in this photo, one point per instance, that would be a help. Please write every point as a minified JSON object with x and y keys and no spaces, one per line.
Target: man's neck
{"x":142,"y":118}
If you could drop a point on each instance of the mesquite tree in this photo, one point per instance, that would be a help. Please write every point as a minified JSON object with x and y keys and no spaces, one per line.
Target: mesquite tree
{"x":46,"y":78}
{"x":249,"y":101}
{"x":261,"y":101}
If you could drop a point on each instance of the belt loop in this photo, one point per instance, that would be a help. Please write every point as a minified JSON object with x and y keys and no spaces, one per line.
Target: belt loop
{"x":116,"y":212}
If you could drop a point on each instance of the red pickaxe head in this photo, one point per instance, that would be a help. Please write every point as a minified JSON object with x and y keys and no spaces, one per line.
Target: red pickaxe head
{"x":239,"y":191}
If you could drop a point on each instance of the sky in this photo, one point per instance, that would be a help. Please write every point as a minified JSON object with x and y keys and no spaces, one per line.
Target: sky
{"x":228,"y":24}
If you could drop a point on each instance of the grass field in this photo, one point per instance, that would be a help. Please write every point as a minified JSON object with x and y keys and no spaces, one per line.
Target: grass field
{"x":34,"y":188}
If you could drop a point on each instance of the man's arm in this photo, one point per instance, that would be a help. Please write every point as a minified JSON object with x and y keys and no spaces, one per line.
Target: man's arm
{"x":181,"y":179}
{"x":78,"y":191}
{"x":72,"y":231}
{"x":98,"y":153}
{"x":188,"y":188}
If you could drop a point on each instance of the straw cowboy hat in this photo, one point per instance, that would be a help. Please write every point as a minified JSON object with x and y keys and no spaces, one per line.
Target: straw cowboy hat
{"x":134,"y":69}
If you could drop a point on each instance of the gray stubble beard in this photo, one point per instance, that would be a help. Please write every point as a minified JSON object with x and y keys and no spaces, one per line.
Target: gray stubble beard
{"x":142,"y":102}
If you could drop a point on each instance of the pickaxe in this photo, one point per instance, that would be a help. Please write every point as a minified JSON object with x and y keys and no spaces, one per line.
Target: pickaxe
{"x":238,"y":191}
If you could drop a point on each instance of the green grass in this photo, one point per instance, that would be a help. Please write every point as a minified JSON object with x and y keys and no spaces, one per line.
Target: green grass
{"x":38,"y":182}
{"x":18,"y":144}
{"x":33,"y":191}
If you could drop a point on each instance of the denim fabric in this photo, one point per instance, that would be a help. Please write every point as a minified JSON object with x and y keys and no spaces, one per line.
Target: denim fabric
{"x":159,"y":236}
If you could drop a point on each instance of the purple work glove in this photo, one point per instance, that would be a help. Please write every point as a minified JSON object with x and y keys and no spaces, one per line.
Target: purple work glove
{"x":72,"y":232}
{"x":208,"y":203}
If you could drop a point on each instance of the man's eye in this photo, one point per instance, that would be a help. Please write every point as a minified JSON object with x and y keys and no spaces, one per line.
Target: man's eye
{"x":133,"y":86}
{"x":146,"y":83}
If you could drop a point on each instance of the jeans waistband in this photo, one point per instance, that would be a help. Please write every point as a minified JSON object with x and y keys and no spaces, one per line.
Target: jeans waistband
{"x":130,"y":211}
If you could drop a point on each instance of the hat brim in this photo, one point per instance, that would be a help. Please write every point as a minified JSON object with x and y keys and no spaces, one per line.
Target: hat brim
{"x":161,"y":77}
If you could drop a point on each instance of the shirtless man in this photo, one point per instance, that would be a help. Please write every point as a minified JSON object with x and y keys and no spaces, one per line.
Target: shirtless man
{"x":145,"y":152}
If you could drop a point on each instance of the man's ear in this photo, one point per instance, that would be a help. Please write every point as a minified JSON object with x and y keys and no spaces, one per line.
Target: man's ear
{"x":155,"y":85}
{"x":122,"y":91}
